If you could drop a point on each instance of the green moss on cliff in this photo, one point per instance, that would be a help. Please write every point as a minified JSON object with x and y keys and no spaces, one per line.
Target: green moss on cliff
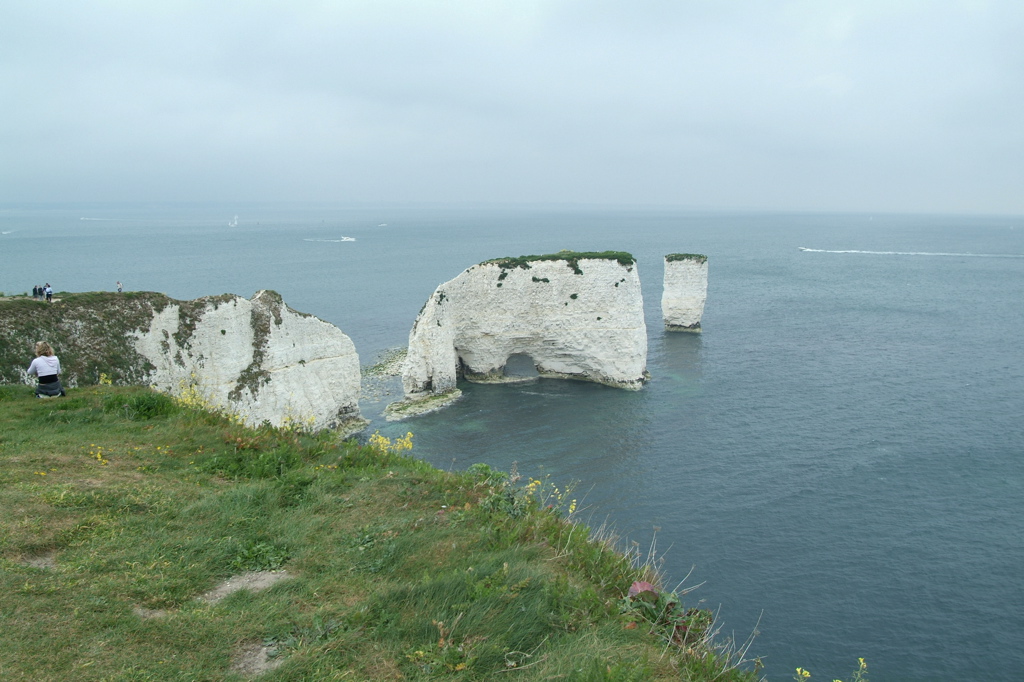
{"x":266,"y":309}
{"x":190,"y":312}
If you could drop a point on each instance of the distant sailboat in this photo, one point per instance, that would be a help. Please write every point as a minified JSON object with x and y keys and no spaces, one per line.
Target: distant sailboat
{"x":234,"y":222}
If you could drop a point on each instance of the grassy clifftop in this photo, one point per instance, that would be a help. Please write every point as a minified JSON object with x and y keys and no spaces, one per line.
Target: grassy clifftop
{"x":89,"y":331}
{"x":572,"y":258}
{"x":122,"y":512}
{"x":697,"y":257}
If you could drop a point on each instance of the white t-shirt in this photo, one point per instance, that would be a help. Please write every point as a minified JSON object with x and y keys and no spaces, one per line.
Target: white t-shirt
{"x":44,"y":366}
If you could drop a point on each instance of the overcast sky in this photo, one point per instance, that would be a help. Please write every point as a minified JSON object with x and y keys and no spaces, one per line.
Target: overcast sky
{"x":806,"y":105}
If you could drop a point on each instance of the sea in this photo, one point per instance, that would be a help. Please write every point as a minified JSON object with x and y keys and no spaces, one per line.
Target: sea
{"x":835,"y":466}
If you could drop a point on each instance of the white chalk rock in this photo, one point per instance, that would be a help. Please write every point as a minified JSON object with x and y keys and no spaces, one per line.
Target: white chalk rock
{"x":686,"y":290}
{"x":256,"y":358}
{"x":576,"y":317}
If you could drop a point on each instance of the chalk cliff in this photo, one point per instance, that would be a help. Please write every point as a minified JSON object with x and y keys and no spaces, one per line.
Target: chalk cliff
{"x":576,"y":315}
{"x":686,"y":290}
{"x":257,"y":358}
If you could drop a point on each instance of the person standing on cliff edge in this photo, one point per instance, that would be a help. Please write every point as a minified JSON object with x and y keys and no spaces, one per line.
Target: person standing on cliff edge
{"x":49,"y":293}
{"x":120,"y":287}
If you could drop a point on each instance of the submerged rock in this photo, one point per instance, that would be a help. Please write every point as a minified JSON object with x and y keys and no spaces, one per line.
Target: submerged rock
{"x":575,"y":315}
{"x":686,"y":290}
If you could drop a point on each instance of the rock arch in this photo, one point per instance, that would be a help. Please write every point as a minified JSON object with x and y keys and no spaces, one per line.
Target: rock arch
{"x":577,"y":315}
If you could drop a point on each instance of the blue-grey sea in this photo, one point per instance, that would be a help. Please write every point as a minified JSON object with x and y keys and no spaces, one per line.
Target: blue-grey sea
{"x":837,"y":461}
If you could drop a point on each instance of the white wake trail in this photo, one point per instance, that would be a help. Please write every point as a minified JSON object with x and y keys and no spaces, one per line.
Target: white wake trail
{"x":915,"y":253}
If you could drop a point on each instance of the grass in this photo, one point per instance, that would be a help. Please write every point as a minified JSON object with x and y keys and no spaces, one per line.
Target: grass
{"x":115,"y":505}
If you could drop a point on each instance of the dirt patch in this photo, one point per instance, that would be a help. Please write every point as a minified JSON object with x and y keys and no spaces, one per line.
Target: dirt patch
{"x":46,"y":561}
{"x":253,"y":581}
{"x":142,"y":612}
{"x":252,"y":658}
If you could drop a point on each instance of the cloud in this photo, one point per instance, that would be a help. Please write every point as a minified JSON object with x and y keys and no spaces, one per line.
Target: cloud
{"x":803,"y":105}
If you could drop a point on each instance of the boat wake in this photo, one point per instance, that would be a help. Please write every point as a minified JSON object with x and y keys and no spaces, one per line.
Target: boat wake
{"x":915,"y":253}
{"x":333,"y":241}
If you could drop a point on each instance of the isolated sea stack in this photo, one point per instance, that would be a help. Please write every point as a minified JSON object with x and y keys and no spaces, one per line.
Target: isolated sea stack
{"x":573,"y":315}
{"x":686,"y":289}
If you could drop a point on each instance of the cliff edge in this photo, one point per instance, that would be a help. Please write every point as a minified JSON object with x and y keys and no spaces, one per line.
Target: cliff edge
{"x":257,"y":358}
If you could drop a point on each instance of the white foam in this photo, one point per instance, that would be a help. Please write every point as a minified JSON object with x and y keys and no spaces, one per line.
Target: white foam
{"x":333,"y":241}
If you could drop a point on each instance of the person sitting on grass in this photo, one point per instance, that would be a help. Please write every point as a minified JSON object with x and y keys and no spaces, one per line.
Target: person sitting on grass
{"x":46,"y":366}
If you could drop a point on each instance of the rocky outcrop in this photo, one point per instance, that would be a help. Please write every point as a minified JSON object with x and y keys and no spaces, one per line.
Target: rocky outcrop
{"x":256,"y":358}
{"x":686,"y":290}
{"x":576,"y":315}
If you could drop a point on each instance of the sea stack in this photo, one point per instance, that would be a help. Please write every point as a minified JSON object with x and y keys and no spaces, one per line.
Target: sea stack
{"x":686,"y":289}
{"x":575,"y":315}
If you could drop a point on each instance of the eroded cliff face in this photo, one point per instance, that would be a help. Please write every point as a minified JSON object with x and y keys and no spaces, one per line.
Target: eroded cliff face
{"x":686,"y":290}
{"x":257,"y":358}
{"x":575,"y":317}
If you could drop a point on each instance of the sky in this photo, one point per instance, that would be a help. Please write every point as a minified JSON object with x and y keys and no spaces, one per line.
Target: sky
{"x":808,"y":105}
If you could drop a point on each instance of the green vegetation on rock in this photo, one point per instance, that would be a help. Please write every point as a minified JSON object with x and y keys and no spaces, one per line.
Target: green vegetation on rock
{"x":124,"y":518}
{"x":572,"y":258}
{"x":699,"y":257}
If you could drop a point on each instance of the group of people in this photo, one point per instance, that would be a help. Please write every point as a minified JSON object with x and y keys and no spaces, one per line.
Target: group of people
{"x":44,"y":291}
{"x":46,"y":366}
